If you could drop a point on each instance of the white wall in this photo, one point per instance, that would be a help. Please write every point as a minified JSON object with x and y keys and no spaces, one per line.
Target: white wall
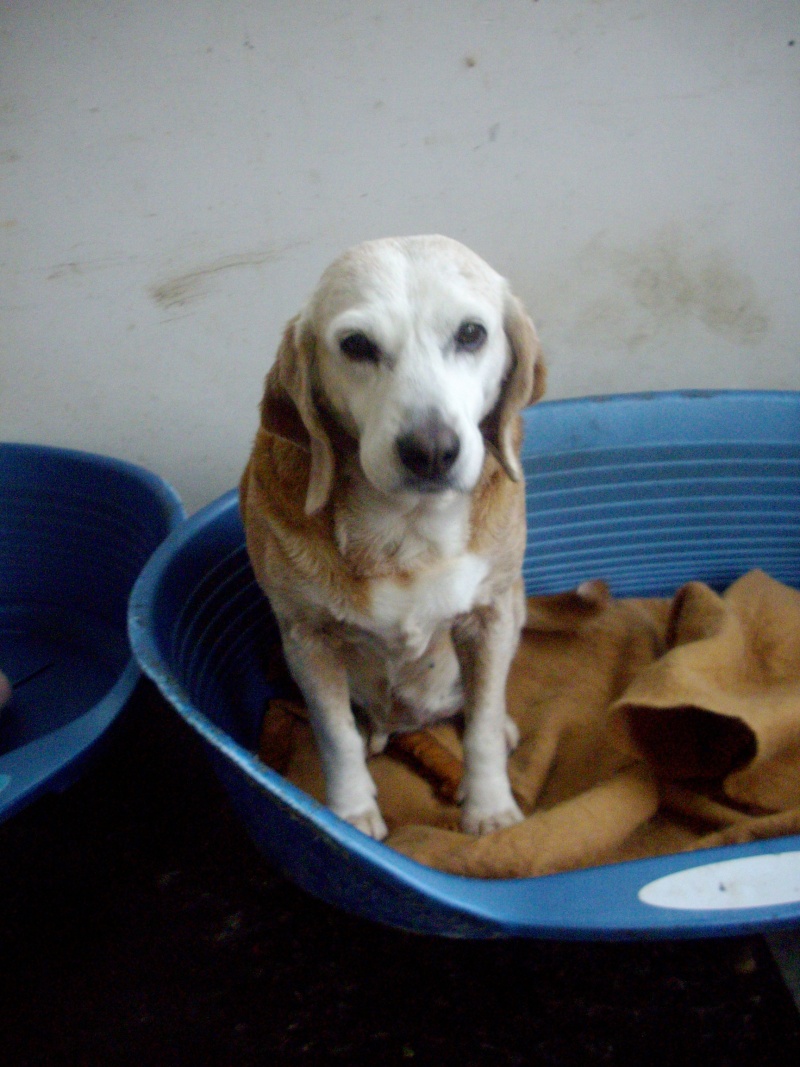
{"x":174,"y":175}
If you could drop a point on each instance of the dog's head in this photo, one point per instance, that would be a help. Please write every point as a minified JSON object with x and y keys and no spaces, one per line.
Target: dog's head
{"x":416,"y":350}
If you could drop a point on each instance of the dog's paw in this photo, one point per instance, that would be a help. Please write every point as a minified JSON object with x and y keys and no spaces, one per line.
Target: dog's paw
{"x":487,"y":804}
{"x":479,"y":821}
{"x":369,"y":822}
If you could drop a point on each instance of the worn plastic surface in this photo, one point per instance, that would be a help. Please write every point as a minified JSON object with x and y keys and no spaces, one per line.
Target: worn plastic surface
{"x":646,"y":491}
{"x":75,"y":531}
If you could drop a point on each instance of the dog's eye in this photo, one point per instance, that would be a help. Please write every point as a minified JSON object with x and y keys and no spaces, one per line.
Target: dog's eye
{"x":470,"y":336}
{"x":359,"y":348}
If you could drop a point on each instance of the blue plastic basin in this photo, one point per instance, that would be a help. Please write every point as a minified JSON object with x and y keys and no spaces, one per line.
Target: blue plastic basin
{"x":646,"y":491}
{"x":75,"y":531}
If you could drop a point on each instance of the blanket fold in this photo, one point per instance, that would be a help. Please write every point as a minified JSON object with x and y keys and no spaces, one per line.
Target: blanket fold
{"x":646,"y":726}
{"x":724,"y":702}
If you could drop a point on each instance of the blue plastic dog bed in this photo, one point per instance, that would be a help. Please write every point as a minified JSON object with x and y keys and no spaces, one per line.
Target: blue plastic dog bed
{"x":645,"y":491}
{"x":75,"y":531}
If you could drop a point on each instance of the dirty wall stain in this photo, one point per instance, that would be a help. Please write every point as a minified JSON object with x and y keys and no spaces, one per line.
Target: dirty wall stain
{"x":192,"y":285}
{"x":629,"y":295}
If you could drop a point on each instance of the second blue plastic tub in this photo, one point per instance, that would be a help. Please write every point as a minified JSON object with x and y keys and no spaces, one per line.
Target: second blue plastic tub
{"x":75,"y":531}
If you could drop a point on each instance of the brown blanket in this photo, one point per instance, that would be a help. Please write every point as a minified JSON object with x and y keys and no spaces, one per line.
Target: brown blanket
{"x":647,"y":726}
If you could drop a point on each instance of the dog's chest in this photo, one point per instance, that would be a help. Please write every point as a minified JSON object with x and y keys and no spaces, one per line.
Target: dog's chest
{"x":421,"y":574}
{"x":406,"y":611}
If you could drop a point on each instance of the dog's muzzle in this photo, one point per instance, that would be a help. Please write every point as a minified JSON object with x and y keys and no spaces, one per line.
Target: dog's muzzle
{"x":428,"y":452}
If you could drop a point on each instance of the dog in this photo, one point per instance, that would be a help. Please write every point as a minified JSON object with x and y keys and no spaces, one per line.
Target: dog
{"x":384,"y":510}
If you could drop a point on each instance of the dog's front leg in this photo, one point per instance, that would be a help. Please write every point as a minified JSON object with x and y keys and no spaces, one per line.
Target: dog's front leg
{"x":487,"y":642}
{"x":321,"y":675}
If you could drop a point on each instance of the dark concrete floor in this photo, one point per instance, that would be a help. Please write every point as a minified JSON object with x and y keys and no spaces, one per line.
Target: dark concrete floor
{"x":138,"y":925}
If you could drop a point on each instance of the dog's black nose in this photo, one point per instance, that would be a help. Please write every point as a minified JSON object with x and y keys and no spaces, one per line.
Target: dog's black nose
{"x":429,"y":450}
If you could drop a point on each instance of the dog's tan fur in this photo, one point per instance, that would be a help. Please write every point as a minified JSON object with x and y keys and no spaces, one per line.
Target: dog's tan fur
{"x":407,"y":604}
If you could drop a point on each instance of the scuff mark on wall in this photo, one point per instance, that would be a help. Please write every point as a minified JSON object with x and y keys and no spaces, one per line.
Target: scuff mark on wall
{"x":78,"y":268}
{"x":193,"y":285}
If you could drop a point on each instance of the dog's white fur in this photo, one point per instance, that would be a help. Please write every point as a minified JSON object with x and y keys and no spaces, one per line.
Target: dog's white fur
{"x":397,"y":594}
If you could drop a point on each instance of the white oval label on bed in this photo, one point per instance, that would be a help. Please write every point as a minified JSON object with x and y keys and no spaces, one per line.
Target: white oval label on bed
{"x":752,"y":882}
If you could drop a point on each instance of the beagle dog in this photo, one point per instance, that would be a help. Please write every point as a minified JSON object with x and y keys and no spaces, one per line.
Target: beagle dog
{"x":384,"y":510}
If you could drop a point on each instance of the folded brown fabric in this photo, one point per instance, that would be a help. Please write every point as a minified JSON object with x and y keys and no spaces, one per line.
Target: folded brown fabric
{"x":781,"y":824}
{"x":724,"y":702}
{"x":583,"y":831}
{"x":646,"y":726}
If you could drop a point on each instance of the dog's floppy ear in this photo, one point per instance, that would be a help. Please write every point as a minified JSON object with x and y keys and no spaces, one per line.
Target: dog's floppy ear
{"x":288,"y":410}
{"x":524,"y":384}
